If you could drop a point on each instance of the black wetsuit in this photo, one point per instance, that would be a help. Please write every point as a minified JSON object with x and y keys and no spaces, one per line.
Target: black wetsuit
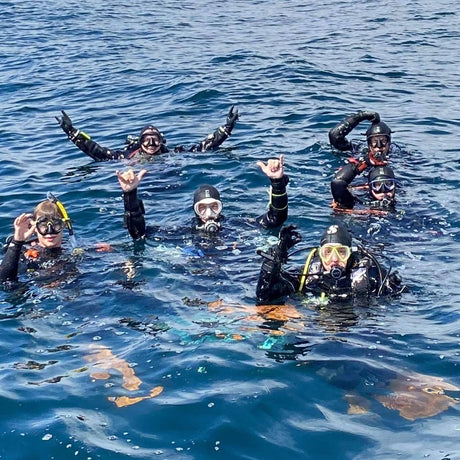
{"x":42,"y":263}
{"x":133,"y":149}
{"x":345,"y":199}
{"x":337,"y":135}
{"x":362,"y":277}
{"x":338,"y":139}
{"x":275,"y":216}
{"x":355,"y":166}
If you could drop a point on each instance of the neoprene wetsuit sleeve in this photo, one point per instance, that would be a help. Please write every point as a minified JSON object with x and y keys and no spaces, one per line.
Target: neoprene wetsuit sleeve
{"x":337,"y":135}
{"x":214,"y":140}
{"x":339,"y":185}
{"x":211,"y":142}
{"x":134,"y":214}
{"x":278,"y":206}
{"x":10,"y":263}
{"x":273,"y":281}
{"x":93,"y":149}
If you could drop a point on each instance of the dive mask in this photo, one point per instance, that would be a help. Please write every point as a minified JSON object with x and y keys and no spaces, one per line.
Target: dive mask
{"x":49,"y":225}
{"x":208,"y":208}
{"x":150,"y":141}
{"x":327,"y":251}
{"x":383,"y":185}
{"x":378,"y":142}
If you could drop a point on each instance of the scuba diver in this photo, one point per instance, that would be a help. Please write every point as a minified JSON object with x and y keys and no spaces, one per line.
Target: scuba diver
{"x":42,"y":252}
{"x":207,"y":204}
{"x":381,"y":185}
{"x":334,"y":270}
{"x":378,"y":137}
{"x":149,"y":143}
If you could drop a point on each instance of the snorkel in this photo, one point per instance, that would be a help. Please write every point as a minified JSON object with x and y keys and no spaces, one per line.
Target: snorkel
{"x":65,"y":218}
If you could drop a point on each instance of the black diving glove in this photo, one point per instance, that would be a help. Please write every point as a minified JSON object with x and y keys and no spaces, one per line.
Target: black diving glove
{"x":215,"y":139}
{"x":373,"y":117}
{"x":289,"y":236}
{"x":232,"y":118}
{"x":278,"y":255}
{"x":66,"y":124}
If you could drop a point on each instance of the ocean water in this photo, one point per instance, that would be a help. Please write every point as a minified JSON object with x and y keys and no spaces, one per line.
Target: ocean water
{"x":158,"y":351}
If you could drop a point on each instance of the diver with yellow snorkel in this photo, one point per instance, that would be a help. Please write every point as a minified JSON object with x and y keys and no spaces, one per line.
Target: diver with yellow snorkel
{"x":37,"y":240}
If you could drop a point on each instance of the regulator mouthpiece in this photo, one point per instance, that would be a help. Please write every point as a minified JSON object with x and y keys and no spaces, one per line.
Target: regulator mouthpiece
{"x":211,"y":226}
{"x":336,"y":273}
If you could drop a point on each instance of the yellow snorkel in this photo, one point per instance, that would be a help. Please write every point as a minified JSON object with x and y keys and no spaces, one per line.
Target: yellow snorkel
{"x":65,"y":217}
{"x":306,"y":268}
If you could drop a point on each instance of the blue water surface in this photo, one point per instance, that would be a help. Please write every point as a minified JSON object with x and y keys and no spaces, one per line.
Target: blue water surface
{"x":229,"y":380}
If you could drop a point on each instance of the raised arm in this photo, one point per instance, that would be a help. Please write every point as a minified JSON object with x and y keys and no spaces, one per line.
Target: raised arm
{"x":339,"y":185}
{"x":337,"y":135}
{"x":85,"y":143}
{"x":23,"y":229}
{"x":273,"y":281}
{"x":215,"y":139}
{"x":134,"y":208}
{"x":278,"y":205}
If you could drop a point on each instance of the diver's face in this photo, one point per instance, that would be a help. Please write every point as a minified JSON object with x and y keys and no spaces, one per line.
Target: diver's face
{"x":49,"y":232}
{"x":334,"y":255}
{"x":379,"y":147}
{"x":383,"y":189}
{"x":384,"y":196}
{"x":208,"y":209}
{"x":150,"y":144}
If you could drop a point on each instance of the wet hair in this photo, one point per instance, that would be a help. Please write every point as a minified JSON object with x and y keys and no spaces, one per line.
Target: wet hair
{"x":378,"y":129}
{"x":336,"y":234}
{"x":47,"y":209}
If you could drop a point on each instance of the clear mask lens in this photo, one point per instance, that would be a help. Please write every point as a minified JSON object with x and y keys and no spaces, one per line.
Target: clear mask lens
{"x":383,"y":185}
{"x":208,"y":209}
{"x":342,"y":252}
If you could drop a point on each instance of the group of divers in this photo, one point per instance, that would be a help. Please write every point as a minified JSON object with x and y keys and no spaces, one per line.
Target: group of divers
{"x":334,"y":270}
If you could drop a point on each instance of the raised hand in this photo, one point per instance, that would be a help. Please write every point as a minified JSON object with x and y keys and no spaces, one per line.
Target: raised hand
{"x":24,"y":227}
{"x":65,"y":123}
{"x":128,"y":180}
{"x":373,"y":117}
{"x":274,"y":168}
{"x":289,"y":236}
{"x":232,"y":117}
